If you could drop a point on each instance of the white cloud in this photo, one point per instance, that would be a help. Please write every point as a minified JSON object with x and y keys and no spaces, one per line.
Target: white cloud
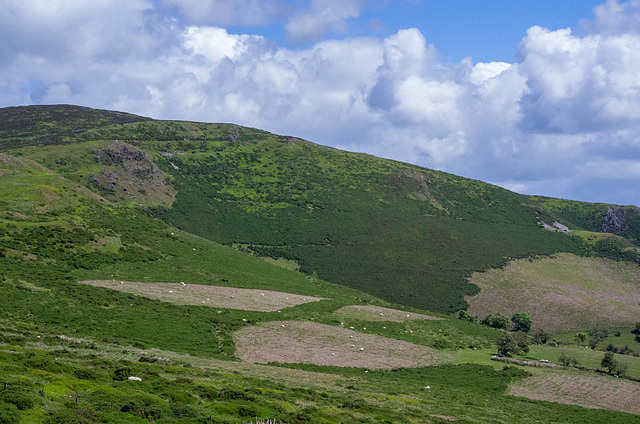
{"x":231,"y":12}
{"x":322,"y":17}
{"x":563,"y":119}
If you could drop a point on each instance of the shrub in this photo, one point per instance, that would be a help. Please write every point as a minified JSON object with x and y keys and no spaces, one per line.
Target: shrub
{"x":540,"y":336}
{"x":521,"y":322}
{"x":636,"y":329}
{"x":513,"y":343}
{"x":121,"y":374}
{"x":9,"y":414}
{"x":497,"y":320}
{"x":568,"y":360}
{"x":466,"y":316}
{"x":85,"y":374}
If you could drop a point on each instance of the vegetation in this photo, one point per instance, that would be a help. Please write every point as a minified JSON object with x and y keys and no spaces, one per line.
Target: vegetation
{"x":513,"y":343}
{"x":568,"y":360}
{"x":496,"y":320}
{"x":287,"y":198}
{"x":521,"y":322}
{"x":67,"y":350}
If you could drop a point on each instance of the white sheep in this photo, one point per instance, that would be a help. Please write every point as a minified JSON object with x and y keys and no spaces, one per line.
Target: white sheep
{"x":232,"y":296}
{"x":170,"y":291}
{"x":351,"y":337}
{"x":407,"y":315}
{"x":261,"y":294}
{"x":381,"y":314}
{"x":132,"y":378}
{"x":182,"y":283}
{"x":399,"y":348}
{"x":203,"y":302}
{"x":244,"y":319}
{"x":427,"y":387}
{"x":384,"y":328}
{"x":361,"y":349}
{"x":282,"y":325}
{"x":353,"y":345}
{"x":121,"y":282}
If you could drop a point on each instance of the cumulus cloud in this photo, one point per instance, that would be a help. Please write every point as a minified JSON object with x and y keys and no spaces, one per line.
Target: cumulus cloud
{"x":231,"y":12}
{"x":322,"y":17}
{"x":563,"y":119}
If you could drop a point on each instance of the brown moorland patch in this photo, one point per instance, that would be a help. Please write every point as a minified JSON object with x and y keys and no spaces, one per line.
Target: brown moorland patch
{"x":594,"y":392}
{"x":214,"y":296}
{"x":378,"y":313}
{"x":561,"y":292}
{"x":321,"y":344}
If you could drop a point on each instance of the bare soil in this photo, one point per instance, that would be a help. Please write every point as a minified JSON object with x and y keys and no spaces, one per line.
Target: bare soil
{"x":321,"y":344}
{"x":213,"y":296}
{"x":592,"y":392}
{"x":378,"y":313}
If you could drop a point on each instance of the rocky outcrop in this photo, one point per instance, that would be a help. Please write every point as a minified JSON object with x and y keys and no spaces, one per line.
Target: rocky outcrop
{"x":615,"y":221}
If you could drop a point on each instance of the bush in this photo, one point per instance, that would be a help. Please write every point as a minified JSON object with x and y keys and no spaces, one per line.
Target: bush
{"x":521,"y":322}
{"x":20,"y":400}
{"x":9,"y":414}
{"x":466,"y":316}
{"x":121,"y":374}
{"x":497,"y":320}
{"x":540,"y":336}
{"x":568,"y":360}
{"x":636,"y":330}
{"x":513,"y":343}
{"x":85,"y":374}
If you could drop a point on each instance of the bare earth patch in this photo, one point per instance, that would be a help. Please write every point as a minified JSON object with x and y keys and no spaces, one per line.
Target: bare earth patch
{"x":562,"y":292}
{"x":214,"y":296}
{"x":377,"y":313}
{"x":321,"y":344}
{"x":587,"y":391}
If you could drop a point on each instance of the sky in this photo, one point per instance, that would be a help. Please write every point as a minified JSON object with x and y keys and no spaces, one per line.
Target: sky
{"x":537,"y":96}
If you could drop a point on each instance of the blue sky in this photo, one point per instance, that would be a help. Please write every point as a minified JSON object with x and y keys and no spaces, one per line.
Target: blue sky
{"x":540,"y":97}
{"x":486,"y":30}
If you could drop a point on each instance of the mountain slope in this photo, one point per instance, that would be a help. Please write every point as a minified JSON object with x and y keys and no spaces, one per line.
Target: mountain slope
{"x":400,"y":232}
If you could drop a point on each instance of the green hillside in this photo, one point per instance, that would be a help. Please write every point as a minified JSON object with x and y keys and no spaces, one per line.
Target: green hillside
{"x":95,"y":197}
{"x":406,"y":234}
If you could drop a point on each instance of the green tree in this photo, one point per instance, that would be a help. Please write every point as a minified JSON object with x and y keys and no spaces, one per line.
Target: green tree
{"x":581,"y":337}
{"x":619,"y":367}
{"x":608,"y":362}
{"x":636,"y":330}
{"x":466,"y":316}
{"x":513,"y":343}
{"x":568,"y":360}
{"x":497,"y":320}
{"x":521,"y":322}
{"x":540,"y":336}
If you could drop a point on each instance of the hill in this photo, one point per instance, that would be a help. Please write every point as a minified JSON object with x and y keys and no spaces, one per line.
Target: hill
{"x":406,"y":234}
{"x":97,"y":286}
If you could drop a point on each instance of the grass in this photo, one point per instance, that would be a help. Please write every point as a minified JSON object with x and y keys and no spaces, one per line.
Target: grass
{"x":588,"y":358}
{"x":274,"y":196}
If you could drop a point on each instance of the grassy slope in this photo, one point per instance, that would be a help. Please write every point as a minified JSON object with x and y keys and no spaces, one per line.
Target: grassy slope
{"x":403,"y":233}
{"x":576,"y":292}
{"x":54,"y":233}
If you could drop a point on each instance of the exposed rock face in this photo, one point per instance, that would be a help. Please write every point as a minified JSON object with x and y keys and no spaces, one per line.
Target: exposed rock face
{"x":615,"y":221}
{"x":127,"y":173}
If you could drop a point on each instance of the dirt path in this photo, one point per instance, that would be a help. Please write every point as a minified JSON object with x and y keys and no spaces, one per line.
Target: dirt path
{"x":214,"y":296}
